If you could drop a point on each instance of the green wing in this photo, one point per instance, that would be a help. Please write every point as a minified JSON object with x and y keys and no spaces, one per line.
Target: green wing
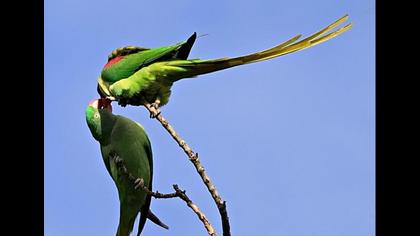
{"x":154,"y":81}
{"x":134,"y":58}
{"x":129,"y":141}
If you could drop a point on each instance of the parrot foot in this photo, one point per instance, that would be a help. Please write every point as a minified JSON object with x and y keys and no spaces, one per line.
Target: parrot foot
{"x":138,"y":183}
{"x":156,"y":104}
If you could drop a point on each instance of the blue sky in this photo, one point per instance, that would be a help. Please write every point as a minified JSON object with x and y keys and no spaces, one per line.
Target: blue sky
{"x":288,"y":142}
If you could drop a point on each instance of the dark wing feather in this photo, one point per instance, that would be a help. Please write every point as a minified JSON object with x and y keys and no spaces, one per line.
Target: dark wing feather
{"x":144,"y":212}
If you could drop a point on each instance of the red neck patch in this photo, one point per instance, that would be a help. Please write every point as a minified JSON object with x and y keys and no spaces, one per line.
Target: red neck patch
{"x":113,"y":61}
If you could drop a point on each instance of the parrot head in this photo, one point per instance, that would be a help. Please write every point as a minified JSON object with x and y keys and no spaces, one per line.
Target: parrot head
{"x":99,"y":118}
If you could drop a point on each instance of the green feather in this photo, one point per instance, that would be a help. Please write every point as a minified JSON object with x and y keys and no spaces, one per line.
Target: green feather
{"x":127,"y":139}
{"x":135,"y":58}
{"x":148,"y":75}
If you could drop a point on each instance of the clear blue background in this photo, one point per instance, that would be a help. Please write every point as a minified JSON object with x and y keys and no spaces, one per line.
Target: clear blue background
{"x":288,"y":142}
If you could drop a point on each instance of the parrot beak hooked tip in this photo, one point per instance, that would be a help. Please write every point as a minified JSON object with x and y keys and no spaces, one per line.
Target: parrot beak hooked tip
{"x":102,"y":103}
{"x":105,"y":103}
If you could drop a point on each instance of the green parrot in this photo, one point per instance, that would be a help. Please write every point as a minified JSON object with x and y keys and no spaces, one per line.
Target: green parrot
{"x":134,"y":75}
{"x":122,"y":138}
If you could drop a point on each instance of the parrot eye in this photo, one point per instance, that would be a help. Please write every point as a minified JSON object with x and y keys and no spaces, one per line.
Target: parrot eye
{"x":96,"y":116}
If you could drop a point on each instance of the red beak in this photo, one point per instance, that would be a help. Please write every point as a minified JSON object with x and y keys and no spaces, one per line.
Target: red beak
{"x":102,"y":103}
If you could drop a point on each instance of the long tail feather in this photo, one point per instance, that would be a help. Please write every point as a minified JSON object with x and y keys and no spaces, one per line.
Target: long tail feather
{"x":156,"y":220}
{"x":290,"y":45}
{"x":178,"y":69}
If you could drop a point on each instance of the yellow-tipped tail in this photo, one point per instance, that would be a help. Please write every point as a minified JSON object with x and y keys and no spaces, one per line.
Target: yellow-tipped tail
{"x":160,"y":75}
{"x":292,"y":46}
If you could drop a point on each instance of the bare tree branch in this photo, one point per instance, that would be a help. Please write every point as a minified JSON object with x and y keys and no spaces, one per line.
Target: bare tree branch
{"x":139,"y":184}
{"x":193,"y":157}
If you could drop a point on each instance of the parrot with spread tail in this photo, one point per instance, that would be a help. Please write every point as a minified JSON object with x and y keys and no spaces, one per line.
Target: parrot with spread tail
{"x":136,"y":75}
{"x":122,"y":138}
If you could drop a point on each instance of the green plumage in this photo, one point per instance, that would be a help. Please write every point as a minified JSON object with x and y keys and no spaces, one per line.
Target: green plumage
{"x":135,"y":75}
{"x":127,"y":139}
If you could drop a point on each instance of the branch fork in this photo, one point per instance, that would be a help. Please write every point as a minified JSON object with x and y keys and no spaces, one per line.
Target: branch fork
{"x":193,"y":157}
{"x":139,"y":185}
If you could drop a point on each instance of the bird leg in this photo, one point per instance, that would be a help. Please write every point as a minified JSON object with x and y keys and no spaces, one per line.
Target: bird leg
{"x":155,"y":105}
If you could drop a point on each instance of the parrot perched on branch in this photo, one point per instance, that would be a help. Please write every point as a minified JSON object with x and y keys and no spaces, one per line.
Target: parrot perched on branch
{"x":135,"y":75}
{"x":122,"y":137}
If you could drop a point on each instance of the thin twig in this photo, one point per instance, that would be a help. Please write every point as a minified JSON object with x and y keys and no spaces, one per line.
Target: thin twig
{"x":193,"y":157}
{"x":139,"y":183}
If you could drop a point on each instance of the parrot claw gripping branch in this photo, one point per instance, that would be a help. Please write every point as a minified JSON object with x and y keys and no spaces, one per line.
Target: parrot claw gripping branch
{"x":141,"y":76}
